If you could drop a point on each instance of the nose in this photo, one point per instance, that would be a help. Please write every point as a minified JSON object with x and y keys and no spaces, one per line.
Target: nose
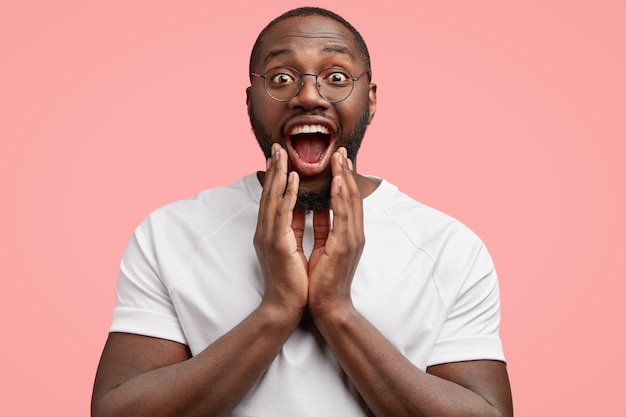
{"x":309,"y":97}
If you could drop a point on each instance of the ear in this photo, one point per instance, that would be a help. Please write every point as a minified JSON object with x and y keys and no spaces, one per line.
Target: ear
{"x":248,"y":99}
{"x":372,"y":102}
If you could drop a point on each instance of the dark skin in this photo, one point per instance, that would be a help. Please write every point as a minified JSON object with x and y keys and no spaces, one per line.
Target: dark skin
{"x":144,"y":376}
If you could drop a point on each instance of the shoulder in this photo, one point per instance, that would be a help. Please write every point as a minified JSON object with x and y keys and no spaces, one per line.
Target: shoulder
{"x":428,"y":228}
{"x":169,"y":237}
{"x":205,"y":211}
{"x":182,"y":225}
{"x":455,"y":250}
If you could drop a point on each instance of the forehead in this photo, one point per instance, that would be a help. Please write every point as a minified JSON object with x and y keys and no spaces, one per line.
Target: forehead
{"x":308,"y":35}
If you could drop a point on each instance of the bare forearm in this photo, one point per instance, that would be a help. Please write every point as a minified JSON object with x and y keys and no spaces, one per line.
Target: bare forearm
{"x":389,"y":383}
{"x":209,"y":384}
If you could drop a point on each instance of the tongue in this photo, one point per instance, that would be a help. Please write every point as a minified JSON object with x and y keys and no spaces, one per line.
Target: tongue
{"x":310,"y":148}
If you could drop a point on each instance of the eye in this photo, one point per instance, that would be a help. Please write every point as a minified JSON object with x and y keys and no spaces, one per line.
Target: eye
{"x":281,"y":78}
{"x":336,"y":77}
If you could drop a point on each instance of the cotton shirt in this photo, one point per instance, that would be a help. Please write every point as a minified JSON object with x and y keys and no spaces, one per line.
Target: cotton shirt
{"x":425,"y":281}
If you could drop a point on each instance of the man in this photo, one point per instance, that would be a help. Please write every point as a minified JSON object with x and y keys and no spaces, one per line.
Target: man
{"x":252,"y":300}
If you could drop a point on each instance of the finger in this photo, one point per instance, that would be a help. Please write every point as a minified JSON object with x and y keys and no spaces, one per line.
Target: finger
{"x":339,"y":197}
{"x":348,"y":170}
{"x":291,"y":192}
{"x":274,"y":182}
{"x":352,"y":189}
{"x":269,"y":172}
{"x":297,"y":224}
{"x":321,"y":228}
{"x":284,"y":211}
{"x":276,"y":177}
{"x":337,"y":161}
{"x":265,"y":221}
{"x":346,"y":200}
{"x":343,"y":166}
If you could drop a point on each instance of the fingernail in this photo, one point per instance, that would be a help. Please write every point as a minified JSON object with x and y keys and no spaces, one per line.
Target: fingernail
{"x":268,"y":163}
{"x":350,"y":165}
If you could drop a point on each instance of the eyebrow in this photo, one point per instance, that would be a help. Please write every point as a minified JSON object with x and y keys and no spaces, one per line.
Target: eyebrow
{"x":329,"y":50}
{"x":337,"y":50}
{"x":278,"y":52}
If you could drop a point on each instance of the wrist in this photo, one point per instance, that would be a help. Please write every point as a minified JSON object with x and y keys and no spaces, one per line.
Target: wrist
{"x":333,"y":313}
{"x":282,"y":314}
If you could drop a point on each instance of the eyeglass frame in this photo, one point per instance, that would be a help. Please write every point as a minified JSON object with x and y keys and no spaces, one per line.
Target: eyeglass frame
{"x":301,"y":83}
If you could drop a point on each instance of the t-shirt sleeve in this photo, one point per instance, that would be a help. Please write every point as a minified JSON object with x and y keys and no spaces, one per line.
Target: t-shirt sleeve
{"x":143,"y":302}
{"x":471,"y":331}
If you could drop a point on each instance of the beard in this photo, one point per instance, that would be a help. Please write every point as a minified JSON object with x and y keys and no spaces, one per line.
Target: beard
{"x":318,"y":198}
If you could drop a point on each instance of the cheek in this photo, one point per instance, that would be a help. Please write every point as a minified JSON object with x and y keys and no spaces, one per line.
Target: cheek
{"x":352,"y":113}
{"x":265,"y":112}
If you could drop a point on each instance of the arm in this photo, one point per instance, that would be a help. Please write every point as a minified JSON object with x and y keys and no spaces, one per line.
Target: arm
{"x":144,"y":376}
{"x":388,"y":382}
{"x":393,"y":386}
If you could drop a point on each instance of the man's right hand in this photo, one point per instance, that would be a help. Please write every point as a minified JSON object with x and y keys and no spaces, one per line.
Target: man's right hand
{"x":278,"y":236}
{"x":146,"y":376}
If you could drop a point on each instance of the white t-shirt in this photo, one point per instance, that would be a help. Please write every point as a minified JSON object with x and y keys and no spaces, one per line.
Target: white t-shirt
{"x":425,"y":281}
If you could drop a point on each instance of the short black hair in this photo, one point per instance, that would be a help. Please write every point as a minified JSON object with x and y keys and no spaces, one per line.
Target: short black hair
{"x":313,"y":11}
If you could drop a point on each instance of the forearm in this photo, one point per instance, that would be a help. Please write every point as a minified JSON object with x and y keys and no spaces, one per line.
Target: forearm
{"x":210,"y":384}
{"x":388,"y":382}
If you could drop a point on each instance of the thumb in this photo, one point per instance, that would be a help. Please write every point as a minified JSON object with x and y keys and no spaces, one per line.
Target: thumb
{"x":321,"y":228}
{"x":297,"y":225}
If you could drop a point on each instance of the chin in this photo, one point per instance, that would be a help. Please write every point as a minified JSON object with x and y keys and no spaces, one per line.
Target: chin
{"x":313,"y":199}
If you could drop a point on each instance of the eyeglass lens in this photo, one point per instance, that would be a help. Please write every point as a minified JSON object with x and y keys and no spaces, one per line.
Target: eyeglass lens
{"x":333,"y":84}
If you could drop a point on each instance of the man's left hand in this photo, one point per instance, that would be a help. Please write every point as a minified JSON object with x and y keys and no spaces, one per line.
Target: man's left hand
{"x":337,"y":247}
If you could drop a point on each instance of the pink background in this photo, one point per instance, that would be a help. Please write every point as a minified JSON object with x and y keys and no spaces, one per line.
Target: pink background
{"x":511,"y":117}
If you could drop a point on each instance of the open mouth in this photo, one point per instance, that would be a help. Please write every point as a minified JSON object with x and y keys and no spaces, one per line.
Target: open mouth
{"x":310,"y":142}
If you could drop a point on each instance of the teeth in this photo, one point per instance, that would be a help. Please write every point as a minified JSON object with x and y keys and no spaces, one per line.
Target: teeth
{"x":309,"y":129}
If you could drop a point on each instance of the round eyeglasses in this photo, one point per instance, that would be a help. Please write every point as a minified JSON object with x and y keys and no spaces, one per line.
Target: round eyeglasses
{"x":284,"y":83}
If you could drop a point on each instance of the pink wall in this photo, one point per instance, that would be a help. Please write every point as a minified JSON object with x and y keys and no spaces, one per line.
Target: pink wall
{"x":511,"y":118}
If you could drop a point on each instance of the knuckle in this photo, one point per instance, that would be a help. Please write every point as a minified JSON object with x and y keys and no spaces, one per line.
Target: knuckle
{"x":342,"y":215}
{"x":270,"y":198}
{"x":263,"y":240}
{"x":343,"y":250}
{"x":291,"y":191}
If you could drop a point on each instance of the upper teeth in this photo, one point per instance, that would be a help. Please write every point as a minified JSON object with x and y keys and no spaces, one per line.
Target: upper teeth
{"x":309,"y":129}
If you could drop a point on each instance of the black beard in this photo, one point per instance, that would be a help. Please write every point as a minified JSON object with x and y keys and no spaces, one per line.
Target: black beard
{"x":313,"y":200}
{"x":318,"y":199}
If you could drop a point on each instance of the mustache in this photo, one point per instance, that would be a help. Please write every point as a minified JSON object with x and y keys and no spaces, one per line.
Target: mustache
{"x":318,"y":113}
